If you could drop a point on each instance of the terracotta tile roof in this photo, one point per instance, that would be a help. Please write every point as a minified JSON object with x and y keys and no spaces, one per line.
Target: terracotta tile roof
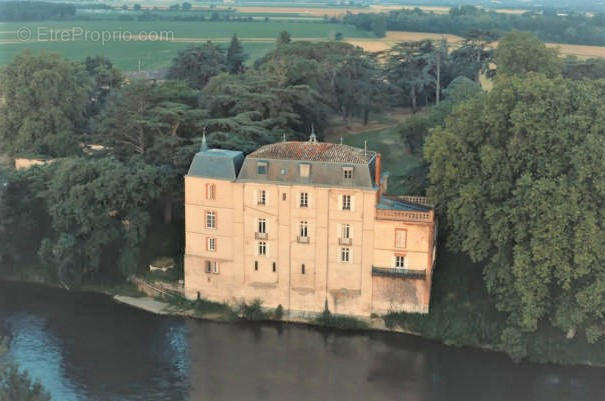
{"x":313,"y":151}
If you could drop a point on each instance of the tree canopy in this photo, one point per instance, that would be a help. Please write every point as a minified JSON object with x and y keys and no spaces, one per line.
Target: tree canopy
{"x":520,"y":175}
{"x":45,"y":99}
{"x":522,"y":52}
{"x":197,"y":64}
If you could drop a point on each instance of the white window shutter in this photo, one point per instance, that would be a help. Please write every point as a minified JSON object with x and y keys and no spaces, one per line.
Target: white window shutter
{"x":338,"y":230}
{"x":339,"y":202}
{"x":352,"y":203}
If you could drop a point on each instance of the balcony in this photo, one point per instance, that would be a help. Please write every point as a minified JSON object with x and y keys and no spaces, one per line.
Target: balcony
{"x":399,"y":272}
{"x":345,"y":241}
{"x":302,"y":240}
{"x":258,"y":235}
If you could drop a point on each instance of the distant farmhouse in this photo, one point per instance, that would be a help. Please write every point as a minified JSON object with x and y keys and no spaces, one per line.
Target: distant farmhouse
{"x":305,"y":225}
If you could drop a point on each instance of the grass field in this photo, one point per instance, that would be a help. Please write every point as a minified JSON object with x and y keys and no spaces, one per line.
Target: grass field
{"x":310,"y":9}
{"x":381,"y":136}
{"x":257,"y":38}
{"x":392,"y":37}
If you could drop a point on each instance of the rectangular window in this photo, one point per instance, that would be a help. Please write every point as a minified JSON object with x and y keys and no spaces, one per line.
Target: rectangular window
{"x":347,"y":173}
{"x":304,"y":199}
{"x":304,"y":231}
{"x":274,"y":267}
{"x":210,"y":191}
{"x":261,"y":168}
{"x":304,"y":169}
{"x":211,"y":244}
{"x":262,"y":248}
{"x":256,"y":265}
{"x":345,"y":255}
{"x":283,"y":196}
{"x":346,"y":231}
{"x":400,"y":238}
{"x":261,"y":197}
{"x":302,"y":268}
{"x":210,"y":220}
{"x":262,"y":226}
{"x":346,"y":202}
{"x":212,"y":267}
{"x":400,"y":262}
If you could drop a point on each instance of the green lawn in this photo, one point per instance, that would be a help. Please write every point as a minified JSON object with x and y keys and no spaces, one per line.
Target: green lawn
{"x":396,"y":159}
{"x":257,"y":37}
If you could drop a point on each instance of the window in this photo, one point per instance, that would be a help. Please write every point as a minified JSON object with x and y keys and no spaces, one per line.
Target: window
{"x":304,"y":231}
{"x":211,"y":267}
{"x":262,"y":248}
{"x":400,"y":262}
{"x":304,"y":169}
{"x":302,"y":268}
{"x":211,"y":244}
{"x":346,"y":231}
{"x":210,"y":220}
{"x":261,"y":197}
{"x":256,"y":265}
{"x":274,"y":267}
{"x":304,"y":199}
{"x":345,"y":255}
{"x":262,"y":226}
{"x":283,"y":196}
{"x":261,"y":168}
{"x":400,"y":238}
{"x":347,"y":173}
{"x":346,"y":202}
{"x":210,"y":191}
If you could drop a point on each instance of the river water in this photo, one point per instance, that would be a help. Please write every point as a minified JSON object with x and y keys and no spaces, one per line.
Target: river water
{"x":84,"y":346}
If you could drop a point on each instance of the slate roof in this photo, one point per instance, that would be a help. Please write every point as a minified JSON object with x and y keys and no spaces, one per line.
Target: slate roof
{"x":398,"y":204}
{"x":313,"y":151}
{"x":216,"y":163}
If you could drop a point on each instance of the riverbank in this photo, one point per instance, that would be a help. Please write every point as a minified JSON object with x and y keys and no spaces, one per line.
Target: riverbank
{"x":460,"y":316}
{"x":72,"y":342}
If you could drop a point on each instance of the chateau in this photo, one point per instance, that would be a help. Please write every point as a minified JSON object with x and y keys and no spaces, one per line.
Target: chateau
{"x":305,"y":225}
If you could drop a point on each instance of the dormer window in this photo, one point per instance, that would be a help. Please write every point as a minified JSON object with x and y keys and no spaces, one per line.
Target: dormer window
{"x":261,"y":168}
{"x":304,"y":169}
{"x":347,"y":173}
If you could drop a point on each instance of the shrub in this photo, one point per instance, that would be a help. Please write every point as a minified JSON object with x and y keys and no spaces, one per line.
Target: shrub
{"x":254,"y":311}
{"x":327,"y":319}
{"x":279,"y":312}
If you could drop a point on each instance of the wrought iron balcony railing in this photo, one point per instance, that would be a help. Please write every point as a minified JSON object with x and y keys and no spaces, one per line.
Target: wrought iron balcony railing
{"x":302,"y":240}
{"x":258,"y":235}
{"x":345,"y":241}
{"x":398,"y":272}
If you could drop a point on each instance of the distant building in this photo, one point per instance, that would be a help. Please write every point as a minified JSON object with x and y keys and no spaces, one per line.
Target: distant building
{"x":305,"y":224}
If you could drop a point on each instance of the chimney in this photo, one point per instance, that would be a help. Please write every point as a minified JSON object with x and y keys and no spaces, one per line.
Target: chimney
{"x":377,"y":172}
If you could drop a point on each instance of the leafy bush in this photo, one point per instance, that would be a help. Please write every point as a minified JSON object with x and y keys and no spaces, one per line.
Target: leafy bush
{"x":327,"y":319}
{"x":279,"y":312}
{"x":254,"y":311}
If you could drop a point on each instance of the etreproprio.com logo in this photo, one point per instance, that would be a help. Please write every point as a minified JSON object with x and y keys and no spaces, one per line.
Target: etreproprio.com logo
{"x":43,"y":34}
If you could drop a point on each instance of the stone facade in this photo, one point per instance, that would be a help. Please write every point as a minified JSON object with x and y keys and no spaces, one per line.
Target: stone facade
{"x":302,"y":225}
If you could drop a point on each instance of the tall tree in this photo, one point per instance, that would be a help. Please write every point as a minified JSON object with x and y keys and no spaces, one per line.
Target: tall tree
{"x":522,"y":52}
{"x":283,"y":38}
{"x":520,"y":175}
{"x":410,"y":66}
{"x":197,"y":64}
{"x":105,"y":77}
{"x":235,"y":56}
{"x":156,"y":123}
{"x":100,"y":213}
{"x":43,"y":111}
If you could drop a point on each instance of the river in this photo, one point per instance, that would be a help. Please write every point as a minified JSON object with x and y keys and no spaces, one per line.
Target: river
{"x":84,"y":346}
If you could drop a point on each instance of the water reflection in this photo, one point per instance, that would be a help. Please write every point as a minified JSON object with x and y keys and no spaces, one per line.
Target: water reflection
{"x":85,"y":347}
